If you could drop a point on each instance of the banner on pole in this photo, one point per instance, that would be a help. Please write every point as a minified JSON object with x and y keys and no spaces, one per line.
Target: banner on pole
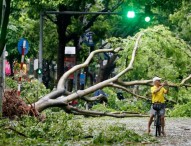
{"x":69,"y":62}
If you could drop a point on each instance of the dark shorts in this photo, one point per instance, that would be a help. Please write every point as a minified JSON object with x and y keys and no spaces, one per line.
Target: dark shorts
{"x":162,"y":111}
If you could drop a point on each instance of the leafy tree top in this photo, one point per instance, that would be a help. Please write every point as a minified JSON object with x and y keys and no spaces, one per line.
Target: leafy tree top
{"x":160,"y":53}
{"x":181,"y":21}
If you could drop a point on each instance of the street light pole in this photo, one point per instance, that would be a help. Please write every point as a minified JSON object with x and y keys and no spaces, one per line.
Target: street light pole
{"x":81,"y":13}
{"x":40,"y":45}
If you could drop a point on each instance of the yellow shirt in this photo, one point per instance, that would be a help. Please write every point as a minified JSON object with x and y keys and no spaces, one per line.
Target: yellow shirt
{"x":159,"y":96}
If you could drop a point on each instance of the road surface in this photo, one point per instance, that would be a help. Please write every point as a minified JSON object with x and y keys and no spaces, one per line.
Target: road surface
{"x":178,"y":130}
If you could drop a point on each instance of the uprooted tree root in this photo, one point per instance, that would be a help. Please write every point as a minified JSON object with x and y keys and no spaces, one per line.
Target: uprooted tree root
{"x":14,"y":106}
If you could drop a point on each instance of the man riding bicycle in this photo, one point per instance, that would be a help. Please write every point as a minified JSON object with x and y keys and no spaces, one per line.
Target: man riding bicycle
{"x":158,"y":92}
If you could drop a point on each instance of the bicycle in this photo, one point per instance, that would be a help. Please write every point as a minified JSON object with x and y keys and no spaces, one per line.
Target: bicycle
{"x":157,"y":123}
{"x":157,"y":118}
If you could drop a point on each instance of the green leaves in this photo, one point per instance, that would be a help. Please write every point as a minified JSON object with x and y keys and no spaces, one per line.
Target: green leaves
{"x":160,"y":53}
{"x":181,"y":110}
{"x":182,"y":20}
{"x":118,"y":134}
{"x":63,"y":129}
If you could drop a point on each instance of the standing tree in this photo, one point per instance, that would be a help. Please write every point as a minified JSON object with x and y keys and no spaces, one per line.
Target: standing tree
{"x":180,"y":21}
{"x":4,"y":19}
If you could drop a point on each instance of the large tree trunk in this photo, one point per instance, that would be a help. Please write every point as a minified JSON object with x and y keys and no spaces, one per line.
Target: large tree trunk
{"x":62,"y":23}
{"x":4,"y":22}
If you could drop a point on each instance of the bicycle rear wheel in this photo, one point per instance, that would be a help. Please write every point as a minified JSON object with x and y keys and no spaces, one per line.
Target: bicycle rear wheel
{"x":158,"y":125}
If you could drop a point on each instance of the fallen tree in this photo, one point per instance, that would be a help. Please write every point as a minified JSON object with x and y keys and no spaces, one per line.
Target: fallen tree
{"x":61,"y":97}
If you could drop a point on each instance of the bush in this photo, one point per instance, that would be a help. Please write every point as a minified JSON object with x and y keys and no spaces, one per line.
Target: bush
{"x":181,"y":110}
{"x":31,"y":90}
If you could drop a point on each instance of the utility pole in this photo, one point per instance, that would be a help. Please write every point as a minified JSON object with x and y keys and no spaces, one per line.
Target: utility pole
{"x":40,"y":45}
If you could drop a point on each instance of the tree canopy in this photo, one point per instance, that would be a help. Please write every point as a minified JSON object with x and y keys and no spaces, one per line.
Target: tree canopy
{"x":161,"y":53}
{"x":181,"y":21}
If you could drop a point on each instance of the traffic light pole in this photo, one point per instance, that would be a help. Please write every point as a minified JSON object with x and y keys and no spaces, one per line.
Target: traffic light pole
{"x":81,"y":13}
{"x":41,"y":45}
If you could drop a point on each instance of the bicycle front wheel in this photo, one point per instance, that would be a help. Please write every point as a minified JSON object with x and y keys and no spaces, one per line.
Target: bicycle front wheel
{"x":158,"y":130}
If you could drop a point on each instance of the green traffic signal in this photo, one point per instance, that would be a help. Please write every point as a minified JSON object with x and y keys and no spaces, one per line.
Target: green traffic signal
{"x":130,"y":14}
{"x":39,"y":71}
{"x":147,"y":19}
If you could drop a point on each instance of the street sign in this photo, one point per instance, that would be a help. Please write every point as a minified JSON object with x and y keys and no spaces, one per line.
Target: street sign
{"x":88,"y":38}
{"x":69,"y":62}
{"x":35,"y":64}
{"x":23,"y":43}
{"x":82,"y":79}
{"x":70,"y":50}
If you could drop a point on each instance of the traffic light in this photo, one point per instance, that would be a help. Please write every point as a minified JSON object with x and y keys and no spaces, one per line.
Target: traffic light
{"x":147,"y":19}
{"x":130,"y":14}
{"x":39,"y":71}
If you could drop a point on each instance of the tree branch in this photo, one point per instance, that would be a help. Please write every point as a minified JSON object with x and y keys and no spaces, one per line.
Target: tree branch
{"x":87,"y":112}
{"x":139,"y":96}
{"x":184,"y":80}
{"x":19,"y":133}
{"x":149,"y":83}
{"x":95,"y":98}
{"x":132,"y":83}
{"x":130,"y":66}
{"x":125,"y":89}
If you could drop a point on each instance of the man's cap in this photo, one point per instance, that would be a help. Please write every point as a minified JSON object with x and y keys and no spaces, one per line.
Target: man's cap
{"x":156,"y":79}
